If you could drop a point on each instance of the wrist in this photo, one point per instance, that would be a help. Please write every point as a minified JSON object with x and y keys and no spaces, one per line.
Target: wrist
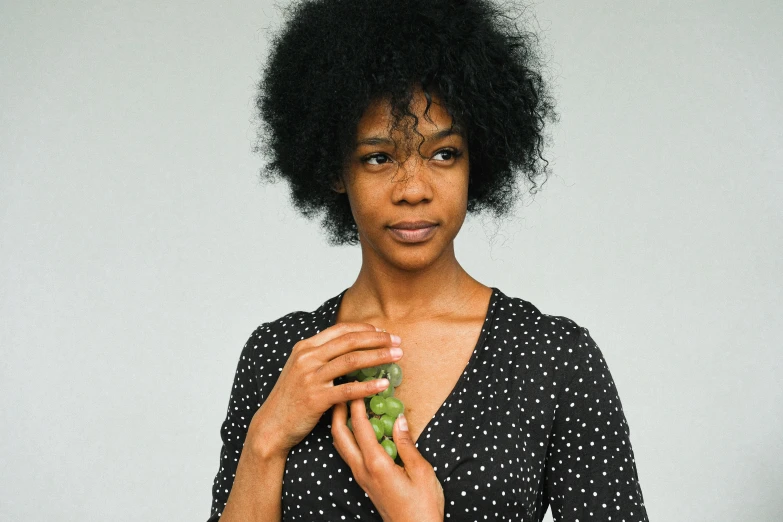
{"x":434,"y":515}
{"x":428,"y":518}
{"x":265,"y":450}
{"x":263,"y":444}
{"x":423,"y":516}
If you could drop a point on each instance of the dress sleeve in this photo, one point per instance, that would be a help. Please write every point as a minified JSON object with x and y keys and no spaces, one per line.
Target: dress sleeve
{"x":242,"y":405}
{"x":590,"y":471}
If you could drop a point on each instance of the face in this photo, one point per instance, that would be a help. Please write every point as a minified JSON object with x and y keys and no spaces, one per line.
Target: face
{"x":389,"y":182}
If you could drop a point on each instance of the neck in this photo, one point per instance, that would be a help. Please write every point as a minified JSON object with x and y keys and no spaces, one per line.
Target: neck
{"x":397,"y":295}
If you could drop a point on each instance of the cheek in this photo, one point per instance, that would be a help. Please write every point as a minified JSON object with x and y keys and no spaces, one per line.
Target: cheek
{"x":460,"y":212}
{"x":458,"y":195}
{"x":365,"y":204}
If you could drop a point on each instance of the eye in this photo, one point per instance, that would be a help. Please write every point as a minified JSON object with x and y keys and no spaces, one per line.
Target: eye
{"x":367,"y":159}
{"x":450,"y":153}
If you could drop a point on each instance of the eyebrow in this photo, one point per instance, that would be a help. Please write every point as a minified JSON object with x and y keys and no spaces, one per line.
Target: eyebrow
{"x":381,"y":140}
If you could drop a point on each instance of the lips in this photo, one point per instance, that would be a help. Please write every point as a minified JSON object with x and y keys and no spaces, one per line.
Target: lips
{"x":411,"y":232}
{"x":413,"y":225}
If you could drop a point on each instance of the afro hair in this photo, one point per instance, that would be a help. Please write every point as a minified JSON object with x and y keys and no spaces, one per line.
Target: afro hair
{"x":332,"y":58}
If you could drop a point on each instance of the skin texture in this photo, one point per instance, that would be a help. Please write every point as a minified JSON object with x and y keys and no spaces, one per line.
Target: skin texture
{"x":302,"y":393}
{"x":397,"y":281}
{"x":305,"y":388}
{"x":410,"y":493}
{"x":398,"y":184}
{"x":385,"y":183}
{"x":400,"y":283}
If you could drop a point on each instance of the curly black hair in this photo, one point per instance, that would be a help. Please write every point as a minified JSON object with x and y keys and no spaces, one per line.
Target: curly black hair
{"x":332,"y":58}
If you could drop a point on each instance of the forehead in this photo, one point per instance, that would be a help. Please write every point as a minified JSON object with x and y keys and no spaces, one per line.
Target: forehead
{"x":377,"y":118}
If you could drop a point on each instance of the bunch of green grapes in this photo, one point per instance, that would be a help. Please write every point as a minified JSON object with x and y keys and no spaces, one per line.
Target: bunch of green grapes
{"x":383,"y":407}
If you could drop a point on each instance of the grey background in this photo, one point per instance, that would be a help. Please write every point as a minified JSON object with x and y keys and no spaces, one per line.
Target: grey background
{"x":138,"y":251}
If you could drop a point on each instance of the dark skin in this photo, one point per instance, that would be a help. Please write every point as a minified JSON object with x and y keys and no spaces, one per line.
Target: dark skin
{"x":432,"y":312}
{"x":417,"y":291}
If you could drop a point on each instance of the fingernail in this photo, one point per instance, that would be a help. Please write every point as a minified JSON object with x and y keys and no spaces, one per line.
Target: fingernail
{"x":396,"y":341}
{"x":396,"y":353}
{"x":383,"y":383}
{"x":403,"y":422}
{"x":378,"y":329}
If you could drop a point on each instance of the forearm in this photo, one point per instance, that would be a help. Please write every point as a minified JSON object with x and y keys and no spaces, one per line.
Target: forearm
{"x":257,"y":491}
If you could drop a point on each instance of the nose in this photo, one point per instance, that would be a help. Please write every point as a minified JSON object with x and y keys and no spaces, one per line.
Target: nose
{"x":412,"y":181}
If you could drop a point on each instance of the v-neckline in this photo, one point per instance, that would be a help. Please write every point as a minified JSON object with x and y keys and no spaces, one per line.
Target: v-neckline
{"x":486,"y":326}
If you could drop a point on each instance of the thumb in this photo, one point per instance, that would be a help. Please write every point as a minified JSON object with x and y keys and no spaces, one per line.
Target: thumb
{"x":406,"y":449}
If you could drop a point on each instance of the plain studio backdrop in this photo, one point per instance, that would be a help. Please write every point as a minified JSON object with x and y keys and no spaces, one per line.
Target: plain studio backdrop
{"x":139,"y":251}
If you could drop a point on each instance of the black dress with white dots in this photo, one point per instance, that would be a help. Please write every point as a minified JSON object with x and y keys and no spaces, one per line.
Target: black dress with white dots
{"x":534,"y":420}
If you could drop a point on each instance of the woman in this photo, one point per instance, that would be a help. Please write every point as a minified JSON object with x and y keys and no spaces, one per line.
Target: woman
{"x":395,"y":119}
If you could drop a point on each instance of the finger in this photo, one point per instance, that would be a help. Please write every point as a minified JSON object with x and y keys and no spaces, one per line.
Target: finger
{"x":340,"y":329}
{"x":406,"y":449}
{"x":342,"y":437}
{"x":355,"y":390}
{"x":359,"y":359}
{"x":374,"y":456}
{"x":356,"y":340}
{"x":340,"y":415}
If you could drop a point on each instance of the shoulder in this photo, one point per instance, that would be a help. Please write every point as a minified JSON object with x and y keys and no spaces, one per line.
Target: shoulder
{"x":522,"y":315}
{"x":275,"y":339}
{"x":563,"y":339}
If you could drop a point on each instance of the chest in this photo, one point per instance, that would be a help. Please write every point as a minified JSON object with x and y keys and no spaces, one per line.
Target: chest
{"x":484,"y":467}
{"x":433,"y":361}
{"x":434,"y":358}
{"x":436,"y":351}
{"x":485,"y":441}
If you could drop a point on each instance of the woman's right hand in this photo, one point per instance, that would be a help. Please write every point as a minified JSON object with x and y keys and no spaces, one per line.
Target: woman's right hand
{"x":305,"y":388}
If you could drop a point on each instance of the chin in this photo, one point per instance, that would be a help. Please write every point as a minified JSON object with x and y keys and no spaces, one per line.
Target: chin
{"x":414,"y":258}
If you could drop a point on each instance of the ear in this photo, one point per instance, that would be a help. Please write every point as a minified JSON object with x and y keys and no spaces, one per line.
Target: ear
{"x":338,"y":186}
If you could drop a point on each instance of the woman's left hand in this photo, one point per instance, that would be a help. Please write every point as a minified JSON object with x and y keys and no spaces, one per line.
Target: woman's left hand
{"x":408,"y":494}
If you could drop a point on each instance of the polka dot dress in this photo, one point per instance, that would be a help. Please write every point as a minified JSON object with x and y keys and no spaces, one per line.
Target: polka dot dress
{"x":534,"y":421}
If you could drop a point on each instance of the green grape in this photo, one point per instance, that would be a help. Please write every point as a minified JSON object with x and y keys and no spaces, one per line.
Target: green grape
{"x":393,"y":407}
{"x":383,"y":408}
{"x":377,"y":428}
{"x":390,"y":447}
{"x":388,"y":392}
{"x":378,"y":404}
{"x":388,"y":424}
{"x":395,"y":374}
{"x":372,"y":371}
